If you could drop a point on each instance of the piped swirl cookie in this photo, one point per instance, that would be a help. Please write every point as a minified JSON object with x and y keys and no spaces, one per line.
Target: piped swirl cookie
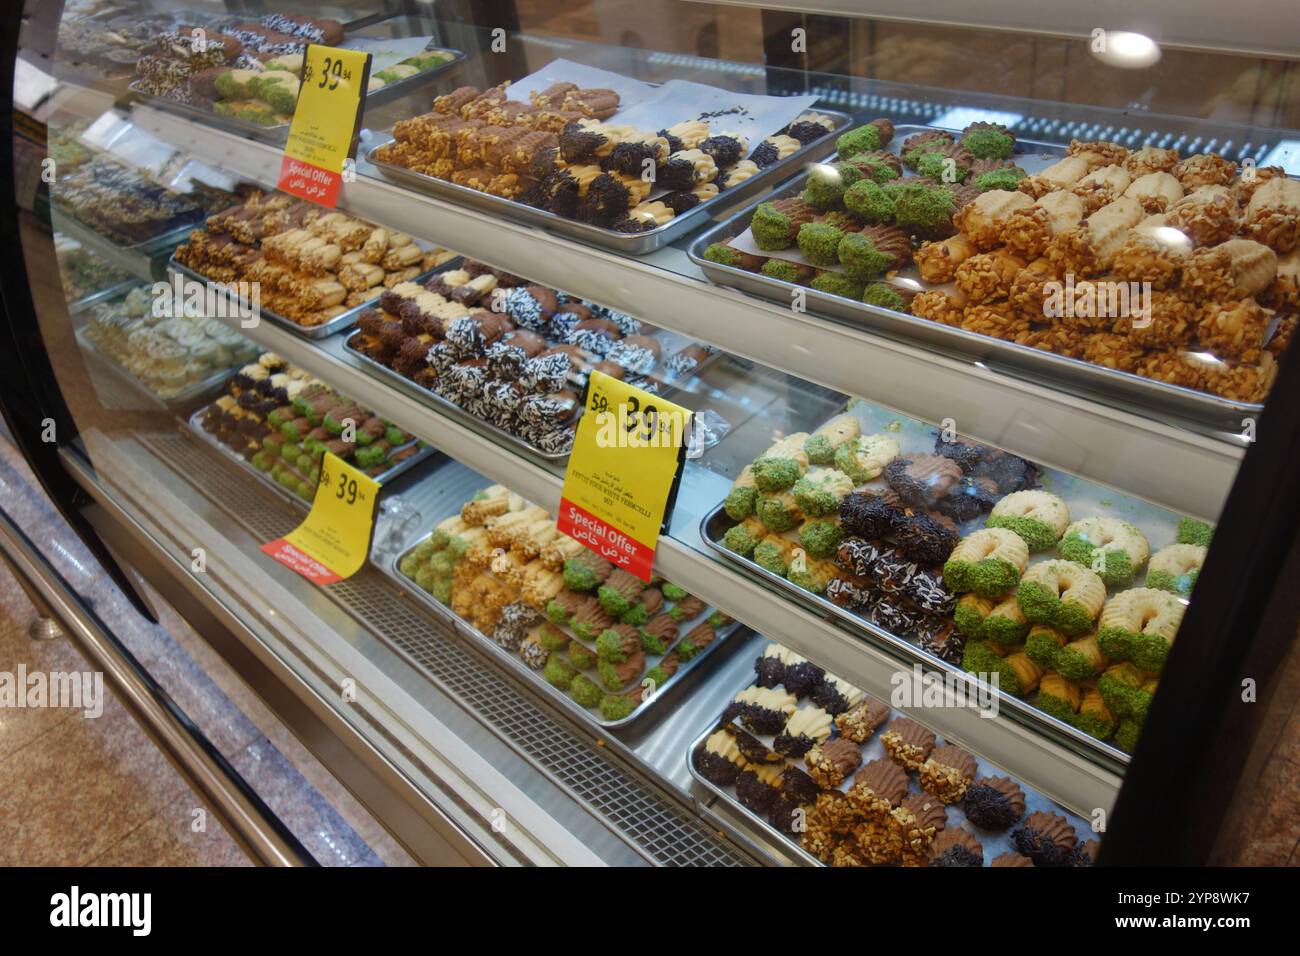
{"x":1116,"y":550}
{"x":988,"y":562}
{"x":1039,"y":517}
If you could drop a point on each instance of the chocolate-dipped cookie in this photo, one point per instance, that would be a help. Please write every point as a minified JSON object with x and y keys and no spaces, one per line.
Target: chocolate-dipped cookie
{"x":877,"y":788}
{"x":907,"y":743}
{"x":1046,"y":838}
{"x":859,"y":722}
{"x":830,"y":763}
{"x":947,"y":773}
{"x":956,"y":847}
{"x":994,"y":803}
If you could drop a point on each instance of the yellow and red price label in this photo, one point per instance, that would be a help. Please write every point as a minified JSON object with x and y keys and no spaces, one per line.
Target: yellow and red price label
{"x":333,"y":541}
{"x":625,"y":457}
{"x":325,"y":123}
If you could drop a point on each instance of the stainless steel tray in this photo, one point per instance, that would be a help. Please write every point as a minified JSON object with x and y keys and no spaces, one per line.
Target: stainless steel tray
{"x":194,"y":426}
{"x":323,"y":331}
{"x":636,"y":244}
{"x":994,"y":843}
{"x":534,"y":678}
{"x":186,"y":395}
{"x":1129,"y":391}
{"x":715,"y":524}
{"x":102,"y":295}
{"x":428,"y":397}
{"x":279,"y":133}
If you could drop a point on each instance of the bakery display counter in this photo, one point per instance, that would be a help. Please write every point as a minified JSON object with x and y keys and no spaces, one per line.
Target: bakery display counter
{"x":1182,"y":465}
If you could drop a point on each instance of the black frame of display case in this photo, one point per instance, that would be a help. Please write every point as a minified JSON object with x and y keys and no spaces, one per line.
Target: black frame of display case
{"x":1198,"y":736}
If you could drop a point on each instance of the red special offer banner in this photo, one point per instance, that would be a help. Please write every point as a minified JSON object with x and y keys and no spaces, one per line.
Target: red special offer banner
{"x":310,"y":182}
{"x":299,"y":561}
{"x":611,"y":544}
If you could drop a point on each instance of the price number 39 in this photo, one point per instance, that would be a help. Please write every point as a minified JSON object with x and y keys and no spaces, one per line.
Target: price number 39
{"x":332,"y":72}
{"x":345,"y":489}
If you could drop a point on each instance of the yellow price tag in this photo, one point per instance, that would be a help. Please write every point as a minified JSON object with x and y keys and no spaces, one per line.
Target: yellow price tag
{"x":325,"y":123}
{"x":333,"y":542}
{"x":625,"y":457}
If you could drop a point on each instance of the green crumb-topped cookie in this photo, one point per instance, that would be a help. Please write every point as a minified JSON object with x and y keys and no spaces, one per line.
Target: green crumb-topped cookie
{"x":441,"y":591}
{"x":652,"y":643}
{"x":1127,"y":734}
{"x":771,"y":556}
{"x":864,"y":139}
{"x":635,"y":615}
{"x":820,"y":491}
{"x":1168,"y":581}
{"x":585,"y":692}
{"x":837,"y":283}
{"x":785,"y":271}
{"x":814,"y":576}
{"x":657,"y":676}
{"x":672,"y":592}
{"x":722,"y":254}
{"x":862,"y":259}
{"x":1123,"y":688}
{"x":581,"y":656}
{"x":616,"y":706}
{"x":989,"y":142}
{"x":923,"y":207}
{"x":559,"y":673}
{"x":970,"y":613}
{"x":869,"y":201}
{"x":551,"y":638}
{"x":609,"y":647}
{"x":873,"y":167}
{"x":940,"y":168}
{"x":557,"y":613}
{"x":771,"y":228}
{"x":1005,"y":625}
{"x":1037,"y":534}
{"x":1042,"y":605}
{"x":612,"y":600}
{"x":1043,"y":643}
{"x":820,"y":537}
{"x":885,"y":296}
{"x":978,"y":658}
{"x":743,"y":538}
{"x":718,"y":619}
{"x":1112,"y":565}
{"x":580,"y":575}
{"x":776,"y":474}
{"x":988,"y":577}
{"x":739,"y":503}
{"x":819,"y":242}
{"x":1094,"y":723}
{"x":610,"y":678}
{"x":1053,"y":705}
{"x":1080,"y":660}
{"x":827,"y":183}
{"x":1191,"y":531}
{"x":778,"y":512}
{"x":1006,"y":179}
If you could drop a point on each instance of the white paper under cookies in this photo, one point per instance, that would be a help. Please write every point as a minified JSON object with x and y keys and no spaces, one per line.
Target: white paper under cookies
{"x":753,"y":115}
{"x":630,"y":92}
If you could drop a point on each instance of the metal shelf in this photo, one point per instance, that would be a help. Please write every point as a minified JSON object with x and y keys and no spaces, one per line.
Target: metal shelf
{"x":1047,"y":764}
{"x":1163,"y":462}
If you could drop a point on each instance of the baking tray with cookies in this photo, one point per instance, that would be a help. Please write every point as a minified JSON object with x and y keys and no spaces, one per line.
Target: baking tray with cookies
{"x":243,"y":75}
{"x":843,"y":779}
{"x":513,"y":356}
{"x":594,"y":638}
{"x":625,"y":165}
{"x":970,"y":560}
{"x":277,"y":421}
{"x":314,"y":270}
{"x":1120,"y":275}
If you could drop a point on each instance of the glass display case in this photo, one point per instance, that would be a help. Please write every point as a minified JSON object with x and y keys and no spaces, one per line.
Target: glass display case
{"x":983,"y":319}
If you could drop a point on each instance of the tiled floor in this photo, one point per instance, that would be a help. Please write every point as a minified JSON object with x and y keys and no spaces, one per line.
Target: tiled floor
{"x":76,"y":790}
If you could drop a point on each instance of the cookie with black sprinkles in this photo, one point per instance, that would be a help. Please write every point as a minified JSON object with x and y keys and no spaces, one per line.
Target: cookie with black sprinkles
{"x":769,"y":670}
{"x":805,"y":131}
{"x":924,"y":538}
{"x":785,"y":813}
{"x":1046,"y":838}
{"x":578,"y":145}
{"x":956,"y":847}
{"x":676,"y":174}
{"x":867,"y":515}
{"x":675,"y":145}
{"x":765,"y":154}
{"x":969,"y":498}
{"x":802,"y":677}
{"x":630,"y":158}
{"x":724,"y":150}
{"x":681,"y":200}
{"x":753,"y":792}
{"x":994,"y":803}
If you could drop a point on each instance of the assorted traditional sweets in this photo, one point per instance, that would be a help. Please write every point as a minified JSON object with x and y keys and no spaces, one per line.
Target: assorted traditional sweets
{"x":510,"y":352}
{"x":856,"y":784}
{"x":1072,"y":630}
{"x":859,"y":218}
{"x":121,"y":203}
{"x":310,"y":264}
{"x":82,"y":272}
{"x":169,"y":353}
{"x":250,"y":70}
{"x":854,"y":518}
{"x":281,"y":421}
{"x":558,"y":152}
{"x":1182,"y":270}
{"x":594,"y":632}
